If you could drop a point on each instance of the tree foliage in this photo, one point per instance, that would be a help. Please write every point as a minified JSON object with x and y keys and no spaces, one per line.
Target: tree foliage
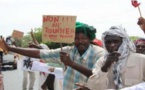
{"x":38,"y":34}
{"x":25,"y":40}
{"x":133,"y":38}
{"x":18,"y":42}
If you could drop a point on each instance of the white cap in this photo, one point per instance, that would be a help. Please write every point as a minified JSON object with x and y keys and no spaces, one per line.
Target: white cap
{"x":44,"y":46}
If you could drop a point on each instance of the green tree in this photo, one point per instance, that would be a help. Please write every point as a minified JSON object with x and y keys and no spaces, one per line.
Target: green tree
{"x":38,"y":34}
{"x":133,"y":37}
{"x":18,"y":42}
{"x":25,"y":40}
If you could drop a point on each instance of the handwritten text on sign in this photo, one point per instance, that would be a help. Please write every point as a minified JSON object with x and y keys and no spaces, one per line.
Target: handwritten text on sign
{"x":59,"y":28}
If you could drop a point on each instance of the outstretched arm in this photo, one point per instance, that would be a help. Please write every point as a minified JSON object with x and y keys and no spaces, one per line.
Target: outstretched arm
{"x":35,"y":53}
{"x":24,"y":51}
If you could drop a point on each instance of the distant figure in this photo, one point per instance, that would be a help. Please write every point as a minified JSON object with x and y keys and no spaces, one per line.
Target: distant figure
{"x":10,"y":41}
{"x":46,"y":81}
{"x":140,"y":45}
{"x":28,"y":64}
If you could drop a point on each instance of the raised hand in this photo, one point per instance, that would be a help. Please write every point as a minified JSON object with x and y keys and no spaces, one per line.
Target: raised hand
{"x":113,"y":57}
{"x":3,"y":46}
{"x":33,"y":38}
{"x":65,"y":58}
{"x":141,"y":23}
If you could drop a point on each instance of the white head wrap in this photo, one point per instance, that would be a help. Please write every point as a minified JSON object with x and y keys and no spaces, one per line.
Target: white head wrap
{"x":127,"y":44}
{"x":124,"y":49}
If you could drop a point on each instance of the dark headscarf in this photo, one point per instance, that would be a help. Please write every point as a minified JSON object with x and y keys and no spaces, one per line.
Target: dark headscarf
{"x":89,"y":31}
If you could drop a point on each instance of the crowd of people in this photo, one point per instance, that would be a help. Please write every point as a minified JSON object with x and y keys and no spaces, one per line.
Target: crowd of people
{"x":114,"y":63}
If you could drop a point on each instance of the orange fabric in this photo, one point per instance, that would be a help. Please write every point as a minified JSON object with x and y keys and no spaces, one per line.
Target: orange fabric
{"x":97,"y":42}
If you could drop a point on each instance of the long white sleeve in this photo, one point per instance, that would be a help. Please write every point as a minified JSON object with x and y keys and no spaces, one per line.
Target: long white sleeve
{"x":99,"y":79}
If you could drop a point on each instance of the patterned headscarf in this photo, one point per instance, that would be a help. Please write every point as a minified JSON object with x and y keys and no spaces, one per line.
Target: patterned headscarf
{"x":89,"y":31}
{"x":142,"y":40}
{"x":139,"y":40}
{"x":124,"y":49}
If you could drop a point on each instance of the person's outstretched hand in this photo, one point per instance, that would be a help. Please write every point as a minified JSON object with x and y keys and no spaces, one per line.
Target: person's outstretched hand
{"x":141,"y":23}
{"x":3,"y":45}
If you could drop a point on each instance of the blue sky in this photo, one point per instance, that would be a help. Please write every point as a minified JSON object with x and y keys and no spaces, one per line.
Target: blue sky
{"x":23,"y":15}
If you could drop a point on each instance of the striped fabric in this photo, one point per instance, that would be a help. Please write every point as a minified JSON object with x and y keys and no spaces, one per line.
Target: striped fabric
{"x":72,"y":76}
{"x":117,"y":78}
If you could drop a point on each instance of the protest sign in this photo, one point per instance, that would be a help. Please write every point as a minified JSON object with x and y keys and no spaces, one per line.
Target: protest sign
{"x":17,"y":34}
{"x":59,"y":29}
